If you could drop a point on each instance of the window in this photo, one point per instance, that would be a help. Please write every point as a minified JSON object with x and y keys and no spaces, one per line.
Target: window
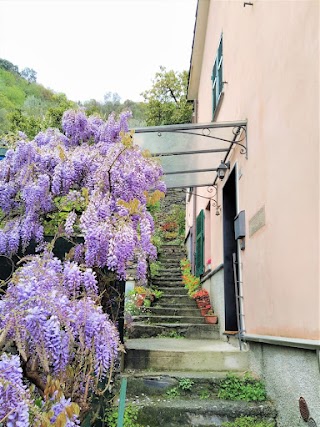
{"x":217,"y":78}
{"x":199,"y":244}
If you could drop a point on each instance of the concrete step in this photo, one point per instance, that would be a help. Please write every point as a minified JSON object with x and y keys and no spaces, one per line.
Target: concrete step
{"x":185,"y":330}
{"x":172,"y":248}
{"x":167,"y":299}
{"x":182,"y":412}
{"x":173,"y":311}
{"x":184,"y":355}
{"x":151,"y":318}
{"x":168,"y":273}
{"x":157,"y":383}
{"x":165,"y":282}
{"x":171,"y":290}
{"x":172,"y":260}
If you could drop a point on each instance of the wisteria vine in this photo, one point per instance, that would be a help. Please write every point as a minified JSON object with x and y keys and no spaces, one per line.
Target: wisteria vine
{"x":89,"y":181}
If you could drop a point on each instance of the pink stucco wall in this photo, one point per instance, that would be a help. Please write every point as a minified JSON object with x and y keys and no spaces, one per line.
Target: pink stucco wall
{"x":271,"y":66}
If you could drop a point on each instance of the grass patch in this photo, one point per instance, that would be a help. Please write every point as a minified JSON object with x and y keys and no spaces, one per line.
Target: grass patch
{"x":248,"y":422}
{"x":242,"y":388}
{"x":129,"y":420}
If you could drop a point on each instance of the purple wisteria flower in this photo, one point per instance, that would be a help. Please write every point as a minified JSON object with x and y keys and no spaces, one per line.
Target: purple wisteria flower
{"x":90,"y":180}
{"x":14,"y":396}
{"x":50,"y":313}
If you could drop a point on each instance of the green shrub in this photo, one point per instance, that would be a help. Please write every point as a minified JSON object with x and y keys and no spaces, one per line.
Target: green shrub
{"x":155,"y":268}
{"x":191,"y":282}
{"x":248,"y":422}
{"x":129,"y":419}
{"x":242,"y":388}
{"x":186,"y":384}
{"x":173,"y":392}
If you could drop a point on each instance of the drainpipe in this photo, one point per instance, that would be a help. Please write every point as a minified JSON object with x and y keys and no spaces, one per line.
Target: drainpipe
{"x":241,"y":309}
{"x":194,"y":230}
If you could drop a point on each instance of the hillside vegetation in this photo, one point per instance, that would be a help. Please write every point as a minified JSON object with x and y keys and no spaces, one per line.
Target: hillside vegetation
{"x":28,"y":106}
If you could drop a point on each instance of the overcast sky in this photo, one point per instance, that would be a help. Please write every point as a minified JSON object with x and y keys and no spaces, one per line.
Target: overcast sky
{"x":86,"y":48}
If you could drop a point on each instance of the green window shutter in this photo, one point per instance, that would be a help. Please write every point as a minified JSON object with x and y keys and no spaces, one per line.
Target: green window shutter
{"x":200,"y":244}
{"x":214,"y":87}
{"x":216,"y":77}
{"x":219,"y":73}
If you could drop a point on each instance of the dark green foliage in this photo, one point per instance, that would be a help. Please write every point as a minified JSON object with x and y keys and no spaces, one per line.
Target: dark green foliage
{"x":248,"y":422}
{"x":8,"y":66}
{"x":186,"y":384}
{"x":242,"y":388}
{"x":167,"y":99}
{"x":25,"y":105}
{"x":129,"y":420}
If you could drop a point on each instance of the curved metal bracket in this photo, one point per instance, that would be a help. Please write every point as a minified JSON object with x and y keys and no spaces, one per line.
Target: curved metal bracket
{"x":214,"y":198}
{"x":206,"y":133}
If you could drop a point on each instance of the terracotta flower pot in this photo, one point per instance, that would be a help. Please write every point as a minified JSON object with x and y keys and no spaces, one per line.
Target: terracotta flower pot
{"x":203,"y":302}
{"x":211,"y":318}
{"x":204,"y":310}
{"x":140,"y":300}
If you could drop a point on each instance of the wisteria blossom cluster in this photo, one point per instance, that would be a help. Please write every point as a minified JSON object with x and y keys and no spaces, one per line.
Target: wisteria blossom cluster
{"x":19,"y":409}
{"x":90,"y":180}
{"x":14,"y":396}
{"x":50,"y":313}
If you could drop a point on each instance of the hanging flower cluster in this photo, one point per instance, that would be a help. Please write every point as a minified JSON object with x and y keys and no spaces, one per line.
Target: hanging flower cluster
{"x":19,"y":408}
{"x":14,"y":397}
{"x":50,"y":313}
{"x":90,"y":180}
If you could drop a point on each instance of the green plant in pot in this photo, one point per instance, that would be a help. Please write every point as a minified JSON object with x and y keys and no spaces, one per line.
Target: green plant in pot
{"x":211,"y":317}
{"x":201,"y":297}
{"x":191,"y":282}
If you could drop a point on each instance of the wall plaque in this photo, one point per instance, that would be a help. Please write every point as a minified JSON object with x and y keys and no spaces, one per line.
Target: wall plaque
{"x":257,"y":221}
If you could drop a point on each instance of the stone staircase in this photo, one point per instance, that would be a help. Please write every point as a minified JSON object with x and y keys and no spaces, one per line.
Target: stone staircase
{"x":169,"y":346}
{"x":175,"y":314}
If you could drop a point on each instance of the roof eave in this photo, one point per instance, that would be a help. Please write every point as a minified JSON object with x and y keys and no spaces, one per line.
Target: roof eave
{"x":199,"y":33}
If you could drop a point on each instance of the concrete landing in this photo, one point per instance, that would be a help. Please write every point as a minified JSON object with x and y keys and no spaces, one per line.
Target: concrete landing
{"x":184,"y":355}
{"x":183,"y":344}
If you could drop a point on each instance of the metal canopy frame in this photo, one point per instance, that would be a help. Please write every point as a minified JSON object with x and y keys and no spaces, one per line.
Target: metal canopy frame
{"x":190,"y":154}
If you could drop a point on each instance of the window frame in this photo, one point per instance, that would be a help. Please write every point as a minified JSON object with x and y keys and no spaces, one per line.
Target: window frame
{"x":216,"y":77}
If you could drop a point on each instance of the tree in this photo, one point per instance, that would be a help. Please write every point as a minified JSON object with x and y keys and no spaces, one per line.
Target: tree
{"x":54,"y":114}
{"x":29,"y":74}
{"x":8,"y":66}
{"x":167,"y":99}
{"x":30,"y":125}
{"x":112,"y":103}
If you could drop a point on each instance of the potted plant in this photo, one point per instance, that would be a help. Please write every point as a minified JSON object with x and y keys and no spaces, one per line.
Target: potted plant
{"x":211,"y":317}
{"x":208,"y":264}
{"x":204,"y":310}
{"x":202,"y":298}
{"x":191,"y":282}
{"x":139,"y":293}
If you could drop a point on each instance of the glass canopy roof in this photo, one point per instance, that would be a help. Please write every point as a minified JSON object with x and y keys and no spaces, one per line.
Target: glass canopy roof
{"x":191,"y":153}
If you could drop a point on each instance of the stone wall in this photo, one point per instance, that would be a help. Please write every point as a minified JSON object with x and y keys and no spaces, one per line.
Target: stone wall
{"x":288,"y":374}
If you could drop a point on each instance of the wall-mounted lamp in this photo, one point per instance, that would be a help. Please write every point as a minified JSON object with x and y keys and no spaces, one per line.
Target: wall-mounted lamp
{"x":222,"y":169}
